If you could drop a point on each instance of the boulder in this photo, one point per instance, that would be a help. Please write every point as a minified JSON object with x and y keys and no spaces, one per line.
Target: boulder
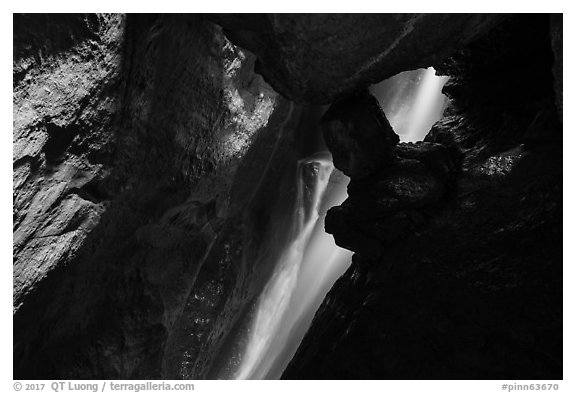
{"x":322,"y":57}
{"x":358,"y":135}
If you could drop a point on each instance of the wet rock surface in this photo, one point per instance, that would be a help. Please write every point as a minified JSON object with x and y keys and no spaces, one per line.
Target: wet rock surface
{"x":469,"y":287}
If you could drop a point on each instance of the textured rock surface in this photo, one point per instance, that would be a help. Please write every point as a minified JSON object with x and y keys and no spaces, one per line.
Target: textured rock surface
{"x":66,"y":79}
{"x":141,"y":144}
{"x":470,"y":287}
{"x":308,"y":57}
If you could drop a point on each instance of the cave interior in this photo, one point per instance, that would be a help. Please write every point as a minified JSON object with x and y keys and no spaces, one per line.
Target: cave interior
{"x":154,"y":194}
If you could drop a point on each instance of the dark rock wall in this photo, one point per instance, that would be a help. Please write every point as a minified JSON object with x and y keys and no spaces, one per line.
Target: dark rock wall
{"x":318,"y":58}
{"x":556,"y":32}
{"x":142,"y":145}
{"x":458,"y":265}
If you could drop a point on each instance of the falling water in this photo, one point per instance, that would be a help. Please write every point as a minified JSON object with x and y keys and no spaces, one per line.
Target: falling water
{"x":311,"y":262}
{"x":270,"y":322}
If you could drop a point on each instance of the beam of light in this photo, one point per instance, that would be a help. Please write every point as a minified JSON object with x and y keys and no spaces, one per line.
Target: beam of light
{"x":267,"y":328}
{"x":412,"y":101}
{"x":322,"y":263}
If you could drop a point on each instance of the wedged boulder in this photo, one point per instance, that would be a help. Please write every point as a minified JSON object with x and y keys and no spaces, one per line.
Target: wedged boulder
{"x":359,"y":136}
{"x":321,"y":57}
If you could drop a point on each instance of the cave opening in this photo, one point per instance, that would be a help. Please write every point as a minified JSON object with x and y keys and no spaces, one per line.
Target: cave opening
{"x":310,"y":261}
{"x":412,"y":101}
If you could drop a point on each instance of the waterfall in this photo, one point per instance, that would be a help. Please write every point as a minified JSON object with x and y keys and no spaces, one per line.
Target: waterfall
{"x":310,"y":262}
{"x":273,"y":320}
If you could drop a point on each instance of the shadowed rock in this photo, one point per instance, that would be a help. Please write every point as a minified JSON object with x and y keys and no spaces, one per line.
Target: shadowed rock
{"x":308,"y":57}
{"x":469,"y":281}
{"x":385,"y":206}
{"x":359,"y":136}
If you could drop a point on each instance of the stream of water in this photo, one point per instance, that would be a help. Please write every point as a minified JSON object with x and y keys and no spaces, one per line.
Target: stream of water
{"x":310,"y":261}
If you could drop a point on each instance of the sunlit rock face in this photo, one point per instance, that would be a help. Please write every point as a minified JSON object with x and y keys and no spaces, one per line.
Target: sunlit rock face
{"x":66,"y":75}
{"x":307,"y":57}
{"x":457,"y":272}
{"x":130,"y":133}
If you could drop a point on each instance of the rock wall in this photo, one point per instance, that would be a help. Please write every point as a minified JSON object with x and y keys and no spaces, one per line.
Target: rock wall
{"x":66,"y":79}
{"x":458,"y":265}
{"x":318,"y":58}
{"x":141,"y":146}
